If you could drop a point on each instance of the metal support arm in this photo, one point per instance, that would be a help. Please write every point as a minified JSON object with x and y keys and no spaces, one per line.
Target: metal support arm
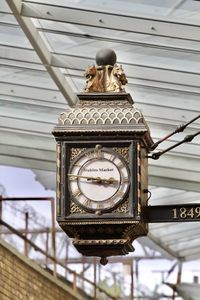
{"x":178,"y":129}
{"x":187,"y":139}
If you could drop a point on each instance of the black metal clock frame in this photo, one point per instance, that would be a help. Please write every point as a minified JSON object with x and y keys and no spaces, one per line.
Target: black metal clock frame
{"x":116,"y":124}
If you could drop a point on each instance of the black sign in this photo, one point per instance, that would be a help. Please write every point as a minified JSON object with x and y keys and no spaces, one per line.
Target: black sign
{"x":172,"y":213}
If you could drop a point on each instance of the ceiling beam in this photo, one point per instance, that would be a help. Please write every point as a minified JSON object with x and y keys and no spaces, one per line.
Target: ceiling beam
{"x":73,"y":61}
{"x":192,"y":256}
{"x":21,"y":54}
{"x":15,"y":100}
{"x":136,"y":70}
{"x":180,"y":245}
{"x":43,"y":51}
{"x":122,"y":38}
{"x":191,"y":251}
{"x":175,"y":183}
{"x":25,"y":162}
{"x":142,"y":95}
{"x":30,"y":92}
{"x":138,"y":74}
{"x":179,"y":171}
{"x":172,"y":230}
{"x":102,"y":19}
{"x":27,"y":139}
{"x":163,"y":246}
{"x":179,"y":162}
{"x":39,"y":155}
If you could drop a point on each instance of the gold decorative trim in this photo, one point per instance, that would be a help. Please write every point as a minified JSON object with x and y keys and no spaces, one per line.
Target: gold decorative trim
{"x":123,"y":208}
{"x":101,"y":115}
{"x":76,"y":152}
{"x":106,"y":78}
{"x":58,"y":179}
{"x":134,"y":231}
{"x":104,"y":103}
{"x":139,"y":179}
{"x":90,"y":129}
{"x":75,"y":209}
{"x":100,"y":242}
{"x":123,"y":151}
{"x":96,"y":222}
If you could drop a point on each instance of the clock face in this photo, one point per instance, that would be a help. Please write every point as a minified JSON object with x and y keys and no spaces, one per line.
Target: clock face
{"x":99,"y":179}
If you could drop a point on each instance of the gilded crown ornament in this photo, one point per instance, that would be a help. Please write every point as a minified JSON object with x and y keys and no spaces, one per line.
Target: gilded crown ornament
{"x":107,"y":76}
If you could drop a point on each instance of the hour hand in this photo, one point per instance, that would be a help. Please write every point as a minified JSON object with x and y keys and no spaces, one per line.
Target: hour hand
{"x":110,"y":180}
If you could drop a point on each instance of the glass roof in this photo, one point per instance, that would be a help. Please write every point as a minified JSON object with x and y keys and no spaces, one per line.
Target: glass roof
{"x":45,"y":48}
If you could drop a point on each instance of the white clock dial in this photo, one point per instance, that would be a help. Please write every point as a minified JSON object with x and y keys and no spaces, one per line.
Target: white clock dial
{"x":98,"y":179}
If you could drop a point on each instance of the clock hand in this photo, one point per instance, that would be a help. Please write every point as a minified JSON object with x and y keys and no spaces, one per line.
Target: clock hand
{"x":110,"y":180}
{"x":85,"y":177}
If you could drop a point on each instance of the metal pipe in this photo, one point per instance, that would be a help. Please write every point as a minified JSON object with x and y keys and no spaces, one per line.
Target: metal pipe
{"x":52,"y":216}
{"x":47,"y":245}
{"x":1,"y":210}
{"x":1,"y":206}
{"x":95,"y":277}
{"x":26,"y":234}
{"x":132,"y":282}
{"x":53,"y":232}
{"x":74,"y":281}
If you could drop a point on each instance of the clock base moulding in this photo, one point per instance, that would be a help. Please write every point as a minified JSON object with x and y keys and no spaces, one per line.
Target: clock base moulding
{"x":105,"y":240}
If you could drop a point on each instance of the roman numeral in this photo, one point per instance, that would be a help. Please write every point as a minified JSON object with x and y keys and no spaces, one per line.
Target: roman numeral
{"x":76,"y":193}
{"x":125,"y":179}
{"x":120,"y":164}
{"x":90,"y":155}
{"x":120,"y":194}
{"x":99,"y":205}
{"x":112,"y":158}
{"x":87,"y":202}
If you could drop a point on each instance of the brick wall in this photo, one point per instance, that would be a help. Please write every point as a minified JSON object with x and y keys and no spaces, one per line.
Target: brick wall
{"x":22,"y":279}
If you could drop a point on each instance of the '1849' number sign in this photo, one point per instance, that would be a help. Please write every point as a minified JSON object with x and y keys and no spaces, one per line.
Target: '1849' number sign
{"x":172,"y":213}
{"x":185,"y":212}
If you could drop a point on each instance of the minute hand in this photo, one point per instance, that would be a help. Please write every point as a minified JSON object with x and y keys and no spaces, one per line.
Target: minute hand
{"x":97,"y":179}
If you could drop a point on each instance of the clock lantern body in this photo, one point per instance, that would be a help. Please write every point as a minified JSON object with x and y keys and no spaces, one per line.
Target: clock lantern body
{"x":102,"y":147}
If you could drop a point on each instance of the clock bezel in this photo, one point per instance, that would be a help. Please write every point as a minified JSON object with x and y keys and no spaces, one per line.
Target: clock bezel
{"x":111,"y":213}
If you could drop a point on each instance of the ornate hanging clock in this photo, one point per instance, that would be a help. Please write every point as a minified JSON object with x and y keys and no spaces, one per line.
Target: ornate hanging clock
{"x":102,"y":146}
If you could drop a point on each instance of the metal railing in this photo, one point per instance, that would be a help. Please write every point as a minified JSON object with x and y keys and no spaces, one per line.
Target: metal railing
{"x":28,"y":242}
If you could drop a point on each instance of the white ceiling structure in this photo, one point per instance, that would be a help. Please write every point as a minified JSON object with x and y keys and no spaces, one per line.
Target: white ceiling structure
{"x":187,"y":290}
{"x":45,"y":46}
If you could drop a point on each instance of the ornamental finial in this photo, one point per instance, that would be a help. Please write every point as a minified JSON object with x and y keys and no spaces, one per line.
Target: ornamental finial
{"x":107,"y":76}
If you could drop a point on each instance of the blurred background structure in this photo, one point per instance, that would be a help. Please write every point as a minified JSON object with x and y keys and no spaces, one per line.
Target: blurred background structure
{"x":45,"y":46}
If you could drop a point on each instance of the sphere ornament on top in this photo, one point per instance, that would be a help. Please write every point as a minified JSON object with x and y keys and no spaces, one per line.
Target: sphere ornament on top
{"x":106,"y":56}
{"x":107,"y":76}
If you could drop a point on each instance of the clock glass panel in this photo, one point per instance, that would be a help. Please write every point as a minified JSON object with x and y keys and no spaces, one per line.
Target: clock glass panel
{"x":98,"y":179}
